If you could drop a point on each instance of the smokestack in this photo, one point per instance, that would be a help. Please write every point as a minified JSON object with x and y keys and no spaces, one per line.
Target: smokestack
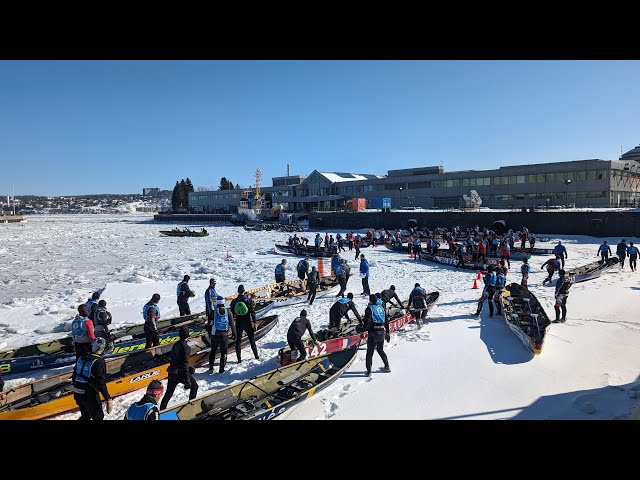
{"x":288,"y":170}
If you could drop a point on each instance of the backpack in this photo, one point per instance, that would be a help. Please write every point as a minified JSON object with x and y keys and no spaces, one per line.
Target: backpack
{"x":240,"y":308}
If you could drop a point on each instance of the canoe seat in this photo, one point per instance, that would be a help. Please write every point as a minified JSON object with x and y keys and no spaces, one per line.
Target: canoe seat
{"x":219,"y":401}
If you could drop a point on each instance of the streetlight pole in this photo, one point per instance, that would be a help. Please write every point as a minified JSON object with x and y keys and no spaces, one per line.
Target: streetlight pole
{"x":566,"y":185}
{"x":400,"y":188}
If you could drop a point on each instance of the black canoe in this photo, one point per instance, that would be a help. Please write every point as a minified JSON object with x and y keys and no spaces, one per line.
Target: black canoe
{"x":268,"y":395}
{"x":125,"y":373}
{"x":591,"y":270}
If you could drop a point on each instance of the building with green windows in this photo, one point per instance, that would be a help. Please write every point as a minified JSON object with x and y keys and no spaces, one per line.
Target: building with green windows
{"x":583,"y":183}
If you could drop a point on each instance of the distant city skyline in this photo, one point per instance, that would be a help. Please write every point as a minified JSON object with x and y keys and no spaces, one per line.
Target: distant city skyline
{"x":91,"y":127}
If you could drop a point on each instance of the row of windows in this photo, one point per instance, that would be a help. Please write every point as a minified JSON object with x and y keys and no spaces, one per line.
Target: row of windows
{"x":208,"y":197}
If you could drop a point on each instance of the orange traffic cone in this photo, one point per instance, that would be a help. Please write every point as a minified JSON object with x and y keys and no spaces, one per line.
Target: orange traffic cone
{"x":475,"y":283}
{"x":479,"y":276}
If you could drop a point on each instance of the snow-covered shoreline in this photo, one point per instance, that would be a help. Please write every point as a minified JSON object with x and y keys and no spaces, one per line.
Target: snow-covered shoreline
{"x":455,"y":367}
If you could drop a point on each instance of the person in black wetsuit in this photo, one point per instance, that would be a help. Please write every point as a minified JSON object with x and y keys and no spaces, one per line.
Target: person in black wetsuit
{"x":184,"y":293}
{"x":89,"y":379}
{"x":388,"y":295}
{"x":101,"y":321}
{"x":303,"y":268}
{"x":151,"y":315}
{"x":218,"y":327}
{"x":294,"y":336}
{"x":376,"y":322}
{"x":312,"y":282}
{"x":621,"y":251}
{"x":179,"y":369}
{"x":245,"y":315}
{"x":341,"y":309}
{"x":418,"y":304}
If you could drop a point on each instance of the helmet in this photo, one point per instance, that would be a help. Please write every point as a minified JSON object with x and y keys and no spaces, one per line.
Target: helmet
{"x":98,"y":345}
{"x":562,"y":273}
{"x":219,"y":300}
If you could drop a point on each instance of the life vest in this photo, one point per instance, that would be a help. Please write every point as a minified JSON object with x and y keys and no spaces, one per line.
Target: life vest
{"x":343,"y":300}
{"x":147,"y":306}
{"x":339,"y":269}
{"x":210,"y":296}
{"x":632,"y":250}
{"x":500,"y":281}
{"x":89,"y":304}
{"x":178,"y":288}
{"x":303,"y":265}
{"x":377,"y":314}
{"x":279,"y":269}
{"x":416,"y":242}
{"x":139,"y":412}
{"x":525,"y":269}
{"x":221,"y":322}
{"x":83,"y":369}
{"x":80,"y":331}
{"x":490,"y":279}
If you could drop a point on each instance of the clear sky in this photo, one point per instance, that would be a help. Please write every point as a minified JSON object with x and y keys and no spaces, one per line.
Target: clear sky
{"x":80,"y":127}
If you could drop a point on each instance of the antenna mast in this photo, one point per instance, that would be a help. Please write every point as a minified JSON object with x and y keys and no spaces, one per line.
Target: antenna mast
{"x":258,"y":177}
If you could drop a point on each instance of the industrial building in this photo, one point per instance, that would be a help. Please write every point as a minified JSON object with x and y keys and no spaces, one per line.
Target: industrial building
{"x":583,"y":183}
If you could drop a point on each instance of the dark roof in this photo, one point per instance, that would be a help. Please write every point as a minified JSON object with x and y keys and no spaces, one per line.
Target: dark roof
{"x":633,"y":154}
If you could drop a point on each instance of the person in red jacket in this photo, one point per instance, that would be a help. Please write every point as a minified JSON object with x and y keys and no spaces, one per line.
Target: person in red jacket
{"x":482,"y":251}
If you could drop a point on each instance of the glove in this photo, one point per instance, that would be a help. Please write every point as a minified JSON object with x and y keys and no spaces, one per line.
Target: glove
{"x":109,"y":405}
{"x":387,"y":337}
{"x":187,"y":386}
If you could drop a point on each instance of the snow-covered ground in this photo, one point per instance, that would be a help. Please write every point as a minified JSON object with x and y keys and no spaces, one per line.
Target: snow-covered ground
{"x":455,"y":367}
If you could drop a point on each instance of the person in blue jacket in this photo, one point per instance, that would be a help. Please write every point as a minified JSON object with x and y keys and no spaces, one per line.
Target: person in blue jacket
{"x":604,"y":251}
{"x":632,"y":251}
{"x":561,"y":253}
{"x":488,"y":291}
{"x":364,"y":274}
{"x":210,"y":296}
{"x":376,"y":323}
{"x":147,"y":407}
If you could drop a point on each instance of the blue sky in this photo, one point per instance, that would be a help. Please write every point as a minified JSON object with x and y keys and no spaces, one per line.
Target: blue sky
{"x":81,"y":127}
